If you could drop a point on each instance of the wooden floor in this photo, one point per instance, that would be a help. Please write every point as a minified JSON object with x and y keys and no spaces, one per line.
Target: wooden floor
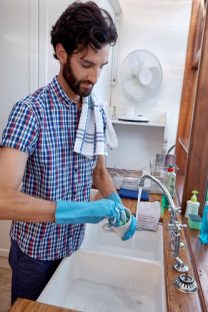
{"x":5,"y":285}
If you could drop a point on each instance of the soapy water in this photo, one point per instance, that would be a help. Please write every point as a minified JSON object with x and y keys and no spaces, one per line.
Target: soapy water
{"x":91,"y":296}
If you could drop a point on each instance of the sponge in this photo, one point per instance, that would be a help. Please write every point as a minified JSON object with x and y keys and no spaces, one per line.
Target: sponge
{"x":194,"y":221}
{"x":133,"y":194}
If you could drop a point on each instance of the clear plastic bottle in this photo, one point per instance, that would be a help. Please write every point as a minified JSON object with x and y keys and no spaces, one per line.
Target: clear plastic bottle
{"x":169,"y":182}
{"x":192,"y":206}
{"x":204,"y":226}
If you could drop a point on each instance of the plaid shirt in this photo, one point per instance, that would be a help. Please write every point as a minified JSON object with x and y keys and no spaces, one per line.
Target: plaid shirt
{"x":44,"y":125}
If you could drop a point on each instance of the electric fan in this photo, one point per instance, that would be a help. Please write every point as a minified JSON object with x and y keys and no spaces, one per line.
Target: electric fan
{"x":141,"y":77}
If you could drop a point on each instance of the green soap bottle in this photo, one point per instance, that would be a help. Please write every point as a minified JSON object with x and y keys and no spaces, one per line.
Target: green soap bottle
{"x":192,"y":206}
{"x":164,"y":205}
{"x":169,"y":182}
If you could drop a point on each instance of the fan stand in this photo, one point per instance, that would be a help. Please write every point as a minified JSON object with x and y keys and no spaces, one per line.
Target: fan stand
{"x":132,"y":116}
{"x":138,"y":118}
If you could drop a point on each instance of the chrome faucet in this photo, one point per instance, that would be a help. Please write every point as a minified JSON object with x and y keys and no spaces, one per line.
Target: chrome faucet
{"x":174,"y":226}
{"x":173,"y":208}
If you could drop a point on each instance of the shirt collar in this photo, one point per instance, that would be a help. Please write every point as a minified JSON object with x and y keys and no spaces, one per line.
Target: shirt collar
{"x":59,"y":92}
{"x":63,"y":98}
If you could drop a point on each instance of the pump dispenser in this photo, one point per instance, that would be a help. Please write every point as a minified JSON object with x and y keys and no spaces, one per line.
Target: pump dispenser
{"x":192,"y":205}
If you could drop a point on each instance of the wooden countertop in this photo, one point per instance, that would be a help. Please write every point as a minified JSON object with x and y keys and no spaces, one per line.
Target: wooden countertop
{"x":25,"y":305}
{"x":176,"y":300}
{"x":199,"y":257}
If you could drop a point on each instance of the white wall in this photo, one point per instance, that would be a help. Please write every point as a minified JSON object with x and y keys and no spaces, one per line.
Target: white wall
{"x":14,"y":78}
{"x":160,"y":26}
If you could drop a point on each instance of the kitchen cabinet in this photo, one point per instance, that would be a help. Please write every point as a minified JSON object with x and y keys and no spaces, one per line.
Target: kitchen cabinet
{"x":192,"y":139}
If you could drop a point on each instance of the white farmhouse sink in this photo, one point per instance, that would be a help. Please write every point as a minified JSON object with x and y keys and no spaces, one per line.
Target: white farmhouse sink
{"x":144,"y":244}
{"x":108,"y":275}
{"x":91,"y":281}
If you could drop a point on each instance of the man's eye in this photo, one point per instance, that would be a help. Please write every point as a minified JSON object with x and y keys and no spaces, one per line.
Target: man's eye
{"x":86,"y":65}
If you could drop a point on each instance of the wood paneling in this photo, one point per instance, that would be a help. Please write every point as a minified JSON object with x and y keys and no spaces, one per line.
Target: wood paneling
{"x":192,"y":139}
{"x":199,"y":258}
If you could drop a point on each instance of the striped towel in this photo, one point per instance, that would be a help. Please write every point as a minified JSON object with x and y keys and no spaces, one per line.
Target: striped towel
{"x":111,"y":137}
{"x":90,"y":137}
{"x":148,"y":216}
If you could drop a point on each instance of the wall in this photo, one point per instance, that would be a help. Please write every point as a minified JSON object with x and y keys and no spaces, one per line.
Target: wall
{"x":14,"y":78}
{"x":160,"y":26}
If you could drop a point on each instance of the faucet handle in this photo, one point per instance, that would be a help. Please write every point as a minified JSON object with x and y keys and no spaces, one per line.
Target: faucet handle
{"x":178,"y":209}
{"x":184,"y":225}
{"x":176,"y":226}
{"x":180,"y":225}
{"x":171,"y":226}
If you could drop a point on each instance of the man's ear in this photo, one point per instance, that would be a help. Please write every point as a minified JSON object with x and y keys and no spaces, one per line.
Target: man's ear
{"x":61,"y":53}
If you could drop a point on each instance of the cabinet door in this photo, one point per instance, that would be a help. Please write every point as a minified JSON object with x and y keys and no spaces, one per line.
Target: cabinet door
{"x":49,"y":12}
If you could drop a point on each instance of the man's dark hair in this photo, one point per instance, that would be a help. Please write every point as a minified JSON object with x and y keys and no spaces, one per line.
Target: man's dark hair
{"x":83,"y":25}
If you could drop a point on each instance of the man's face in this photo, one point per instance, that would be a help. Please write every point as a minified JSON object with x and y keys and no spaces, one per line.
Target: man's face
{"x":81,"y":71}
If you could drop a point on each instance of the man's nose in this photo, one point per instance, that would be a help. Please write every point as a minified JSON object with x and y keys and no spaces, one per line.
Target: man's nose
{"x":93,"y":75}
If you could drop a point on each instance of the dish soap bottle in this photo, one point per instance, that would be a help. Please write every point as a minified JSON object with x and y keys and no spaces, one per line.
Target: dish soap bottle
{"x":204,"y":226}
{"x":169,"y":182}
{"x":192,"y":205}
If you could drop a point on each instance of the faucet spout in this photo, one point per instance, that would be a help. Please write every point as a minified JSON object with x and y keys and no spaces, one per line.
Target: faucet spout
{"x":165,"y":191}
{"x":174,"y":226}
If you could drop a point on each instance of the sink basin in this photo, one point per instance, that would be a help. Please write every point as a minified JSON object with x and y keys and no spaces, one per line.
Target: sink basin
{"x":143,"y":245}
{"x":109,"y":275}
{"x":91,"y":281}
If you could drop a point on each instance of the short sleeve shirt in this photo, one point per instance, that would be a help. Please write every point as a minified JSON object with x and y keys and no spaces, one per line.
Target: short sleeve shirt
{"x":44,"y":126}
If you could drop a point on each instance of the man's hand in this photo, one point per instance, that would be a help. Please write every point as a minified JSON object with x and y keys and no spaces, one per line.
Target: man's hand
{"x":115,"y":197}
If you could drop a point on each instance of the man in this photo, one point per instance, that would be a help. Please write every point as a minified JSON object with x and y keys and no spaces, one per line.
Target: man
{"x":52,"y":148}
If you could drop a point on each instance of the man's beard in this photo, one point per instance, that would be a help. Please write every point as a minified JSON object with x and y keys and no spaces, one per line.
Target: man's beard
{"x":72,"y":81}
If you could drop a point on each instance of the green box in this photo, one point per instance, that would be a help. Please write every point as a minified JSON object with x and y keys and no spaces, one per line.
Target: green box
{"x":194,"y":221}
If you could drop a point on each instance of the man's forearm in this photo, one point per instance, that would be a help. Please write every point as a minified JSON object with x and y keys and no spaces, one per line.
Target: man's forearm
{"x":104,"y":183}
{"x":15,"y":205}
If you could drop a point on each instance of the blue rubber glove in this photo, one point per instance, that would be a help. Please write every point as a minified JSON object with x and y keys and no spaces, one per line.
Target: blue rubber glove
{"x":89,"y":212}
{"x":131,"y":230}
{"x":115,"y":197}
